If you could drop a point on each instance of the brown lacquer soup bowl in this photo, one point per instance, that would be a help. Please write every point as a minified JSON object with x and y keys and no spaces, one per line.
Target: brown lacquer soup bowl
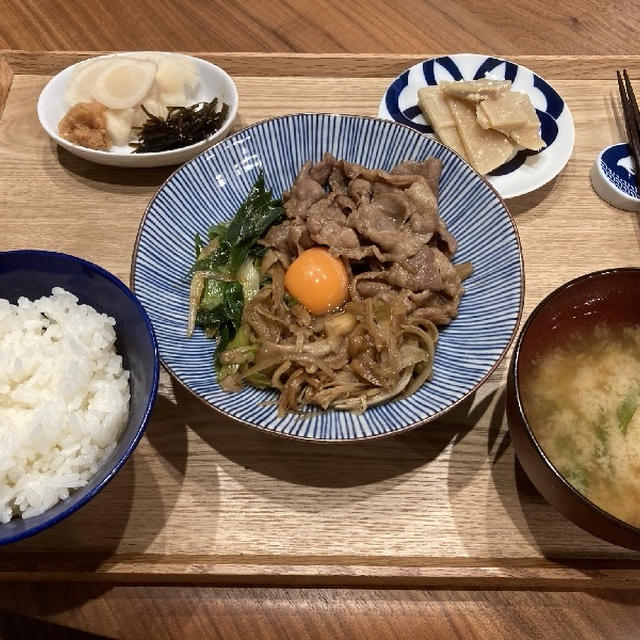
{"x":609,"y":298}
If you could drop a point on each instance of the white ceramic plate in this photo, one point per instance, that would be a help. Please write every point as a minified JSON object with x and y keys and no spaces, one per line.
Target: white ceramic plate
{"x":214,"y":82}
{"x":526,"y":170}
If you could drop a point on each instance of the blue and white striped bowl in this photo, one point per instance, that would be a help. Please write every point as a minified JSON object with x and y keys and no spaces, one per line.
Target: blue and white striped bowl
{"x":211,"y":187}
{"x":527,"y":170}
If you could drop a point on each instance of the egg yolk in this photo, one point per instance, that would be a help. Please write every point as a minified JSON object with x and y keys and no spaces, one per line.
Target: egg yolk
{"x":318,"y":280}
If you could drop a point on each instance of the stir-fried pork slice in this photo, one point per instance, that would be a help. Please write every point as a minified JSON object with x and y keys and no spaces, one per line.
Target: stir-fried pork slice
{"x":332,"y":234}
{"x":360,"y":190}
{"x":345,"y":203}
{"x":451,"y":283}
{"x":396,"y":207}
{"x":304,"y":192}
{"x":326,"y":225}
{"x":290,"y":236}
{"x":430,"y":169}
{"x":424,"y":205}
{"x":376,"y":225}
{"x":448,"y":243}
{"x":372,"y":288}
{"x":420,"y":272}
{"x":338,"y":181}
{"x":327,"y":209}
{"x":400,"y":180}
{"x":433,"y":306}
{"x":321,"y":171}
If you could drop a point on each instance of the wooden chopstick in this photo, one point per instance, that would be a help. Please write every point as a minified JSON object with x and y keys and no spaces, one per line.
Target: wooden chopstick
{"x":631,"y":120}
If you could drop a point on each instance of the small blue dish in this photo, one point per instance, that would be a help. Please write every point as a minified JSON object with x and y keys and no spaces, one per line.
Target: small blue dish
{"x":211,"y":187}
{"x":33,"y":274}
{"x":526,"y":170}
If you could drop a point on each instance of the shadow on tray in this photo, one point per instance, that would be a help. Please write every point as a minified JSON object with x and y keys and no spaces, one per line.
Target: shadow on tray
{"x":104,"y":177}
{"x":125,"y":517}
{"x":536,"y":522}
{"x":22,"y":627}
{"x":318,"y":464}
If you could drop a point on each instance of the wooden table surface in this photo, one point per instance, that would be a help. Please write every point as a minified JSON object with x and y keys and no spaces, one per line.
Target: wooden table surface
{"x":362,"y":26}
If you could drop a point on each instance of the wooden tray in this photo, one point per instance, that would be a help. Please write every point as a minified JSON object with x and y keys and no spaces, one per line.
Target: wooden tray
{"x":203,"y":499}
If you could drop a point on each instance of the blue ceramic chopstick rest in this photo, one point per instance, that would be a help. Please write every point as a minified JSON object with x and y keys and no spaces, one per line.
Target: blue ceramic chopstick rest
{"x":613,"y":177}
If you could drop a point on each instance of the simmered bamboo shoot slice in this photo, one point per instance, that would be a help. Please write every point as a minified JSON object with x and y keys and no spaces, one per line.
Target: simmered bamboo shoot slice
{"x":486,"y":149}
{"x":475,"y":90}
{"x":512,"y":114}
{"x":435,"y":109}
{"x":505,"y":112}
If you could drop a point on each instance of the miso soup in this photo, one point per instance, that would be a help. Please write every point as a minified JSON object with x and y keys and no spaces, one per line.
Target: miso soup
{"x":582,"y":403}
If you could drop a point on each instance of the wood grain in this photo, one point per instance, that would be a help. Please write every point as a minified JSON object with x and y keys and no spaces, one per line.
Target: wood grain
{"x":69,"y":611}
{"x":206,"y":500}
{"x":323,"y":26}
{"x":421,"y":28}
{"x":337,"y":65}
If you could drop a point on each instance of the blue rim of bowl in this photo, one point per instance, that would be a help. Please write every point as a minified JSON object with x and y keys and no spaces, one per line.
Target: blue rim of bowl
{"x":516,"y":364}
{"x":344,"y":441}
{"x":150,"y":403}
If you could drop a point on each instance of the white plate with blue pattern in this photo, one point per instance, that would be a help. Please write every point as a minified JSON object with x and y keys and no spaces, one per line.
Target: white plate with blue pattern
{"x":526,"y":170}
{"x":209,"y":189}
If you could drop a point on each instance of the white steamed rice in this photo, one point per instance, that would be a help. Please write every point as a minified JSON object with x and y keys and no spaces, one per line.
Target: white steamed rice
{"x":64,"y":400}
